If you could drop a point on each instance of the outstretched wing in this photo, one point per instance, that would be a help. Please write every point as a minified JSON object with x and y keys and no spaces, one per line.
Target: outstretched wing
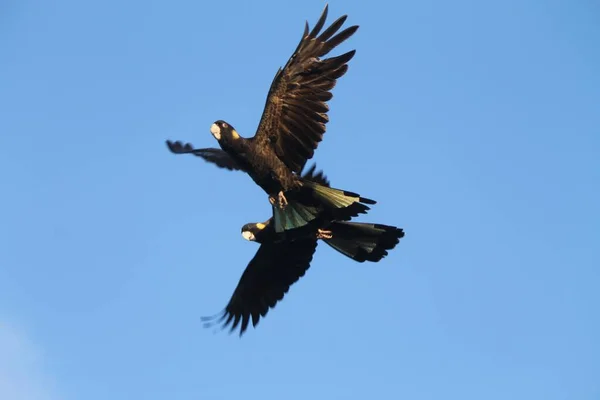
{"x":215,"y":156}
{"x":267,"y":278}
{"x":295,"y":114}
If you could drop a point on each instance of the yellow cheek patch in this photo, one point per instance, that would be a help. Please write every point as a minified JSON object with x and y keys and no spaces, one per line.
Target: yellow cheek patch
{"x":260,"y":226}
{"x":234,"y":134}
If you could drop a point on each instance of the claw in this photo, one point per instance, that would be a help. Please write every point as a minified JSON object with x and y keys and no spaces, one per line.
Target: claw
{"x":323,"y":234}
{"x":272,"y":200}
{"x":282,"y":200}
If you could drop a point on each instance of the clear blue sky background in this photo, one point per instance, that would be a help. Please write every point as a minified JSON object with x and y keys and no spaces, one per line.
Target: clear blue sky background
{"x":475,"y":125}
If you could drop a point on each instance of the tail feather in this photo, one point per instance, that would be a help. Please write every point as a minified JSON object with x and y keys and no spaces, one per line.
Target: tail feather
{"x":339,"y":198}
{"x":295,"y":216}
{"x":363,"y":241}
{"x":341,"y":205}
{"x":315,"y":204}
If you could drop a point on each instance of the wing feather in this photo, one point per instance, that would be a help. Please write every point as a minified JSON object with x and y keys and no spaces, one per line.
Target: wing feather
{"x":295,"y":115}
{"x":216,"y":156}
{"x":265,"y":281}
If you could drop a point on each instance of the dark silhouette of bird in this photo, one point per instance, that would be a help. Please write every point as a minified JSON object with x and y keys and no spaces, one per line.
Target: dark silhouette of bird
{"x":282,"y":259}
{"x":290,"y":129}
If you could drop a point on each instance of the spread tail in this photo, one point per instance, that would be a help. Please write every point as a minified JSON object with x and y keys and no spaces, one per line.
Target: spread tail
{"x":363,"y":241}
{"x":296,"y":216}
{"x":315,"y":204}
{"x":340,"y":205}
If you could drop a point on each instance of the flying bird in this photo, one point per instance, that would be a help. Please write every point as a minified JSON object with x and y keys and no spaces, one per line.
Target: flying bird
{"x":290,"y":129}
{"x":282,"y":260}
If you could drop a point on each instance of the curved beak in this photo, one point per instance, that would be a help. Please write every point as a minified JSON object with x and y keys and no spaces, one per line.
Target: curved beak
{"x":216,"y":131}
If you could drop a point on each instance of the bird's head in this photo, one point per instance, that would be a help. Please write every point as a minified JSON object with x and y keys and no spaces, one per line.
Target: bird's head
{"x":252,"y":231}
{"x":222,"y":131}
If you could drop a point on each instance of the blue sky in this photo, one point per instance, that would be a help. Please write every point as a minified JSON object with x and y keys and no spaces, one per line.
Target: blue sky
{"x":474,"y":124}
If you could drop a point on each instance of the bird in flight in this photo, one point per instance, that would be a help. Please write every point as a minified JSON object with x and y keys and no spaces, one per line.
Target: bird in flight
{"x":290,"y":129}
{"x":306,"y":209}
{"x":281,"y":260}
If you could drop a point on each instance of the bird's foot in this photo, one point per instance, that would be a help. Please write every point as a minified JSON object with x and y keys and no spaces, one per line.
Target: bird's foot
{"x":323,"y":234}
{"x":282,"y":200}
{"x":272,"y":200}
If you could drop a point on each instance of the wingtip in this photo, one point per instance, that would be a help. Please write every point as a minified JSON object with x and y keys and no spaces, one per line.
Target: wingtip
{"x":320,"y":22}
{"x":170,"y":145}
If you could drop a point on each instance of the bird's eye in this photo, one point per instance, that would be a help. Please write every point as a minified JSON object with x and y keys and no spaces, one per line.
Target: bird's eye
{"x":225,"y":125}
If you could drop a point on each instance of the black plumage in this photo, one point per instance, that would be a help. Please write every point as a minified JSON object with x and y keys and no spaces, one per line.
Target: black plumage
{"x":290,"y":129}
{"x":360,"y":241}
{"x":283,"y":258}
{"x":265,"y":281}
{"x":215,"y":156}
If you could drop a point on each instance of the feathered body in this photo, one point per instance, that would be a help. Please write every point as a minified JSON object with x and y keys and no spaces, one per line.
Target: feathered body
{"x":260,"y":162}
